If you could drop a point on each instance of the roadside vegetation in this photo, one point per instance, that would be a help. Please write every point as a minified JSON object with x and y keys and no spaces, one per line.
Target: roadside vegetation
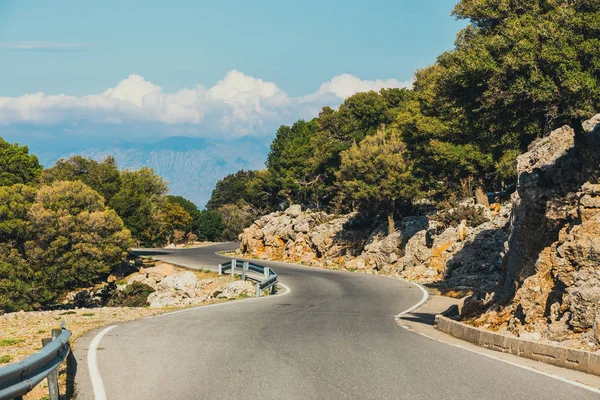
{"x":517,"y":71}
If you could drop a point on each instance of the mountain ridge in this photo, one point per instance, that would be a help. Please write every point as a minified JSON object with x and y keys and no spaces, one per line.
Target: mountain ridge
{"x":191,"y":165}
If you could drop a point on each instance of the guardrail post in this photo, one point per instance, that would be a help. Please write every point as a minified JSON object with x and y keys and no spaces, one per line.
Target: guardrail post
{"x":257,"y":289}
{"x":233,"y":264}
{"x":266,"y":272}
{"x":53,"y":376}
{"x":245,"y":269}
{"x":220,"y":269}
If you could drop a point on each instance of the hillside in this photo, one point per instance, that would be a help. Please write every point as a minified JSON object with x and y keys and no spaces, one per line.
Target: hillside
{"x":192,"y":166}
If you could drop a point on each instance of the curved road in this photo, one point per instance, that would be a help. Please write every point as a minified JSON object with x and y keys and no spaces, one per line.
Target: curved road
{"x":333,"y":336}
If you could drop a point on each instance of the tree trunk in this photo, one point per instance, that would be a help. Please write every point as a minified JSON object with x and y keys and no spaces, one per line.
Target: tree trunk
{"x":390,"y":218}
{"x":481,"y":197}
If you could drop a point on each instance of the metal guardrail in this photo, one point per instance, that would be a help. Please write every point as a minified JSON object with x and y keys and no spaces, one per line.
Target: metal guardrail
{"x":21,"y":377}
{"x":266,"y":279}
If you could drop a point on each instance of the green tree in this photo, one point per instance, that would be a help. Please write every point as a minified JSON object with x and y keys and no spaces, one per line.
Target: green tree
{"x":15,"y":202}
{"x":231,"y":189}
{"x":71,"y":241}
{"x":210,"y":226}
{"x":103,"y":177}
{"x":377,"y":172}
{"x":166,"y":219}
{"x":17,"y":165}
{"x":459,"y":163}
{"x":140,"y":195}
{"x":190,"y":208}
{"x":288,"y":161}
{"x":523,"y":68}
{"x":236,"y":217}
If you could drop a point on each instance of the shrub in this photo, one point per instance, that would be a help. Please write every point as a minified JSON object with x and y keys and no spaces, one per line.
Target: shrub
{"x":134,"y":295}
{"x":453,"y":217}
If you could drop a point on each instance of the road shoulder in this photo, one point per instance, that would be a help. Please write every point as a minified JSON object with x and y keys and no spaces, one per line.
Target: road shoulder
{"x":421,"y":321}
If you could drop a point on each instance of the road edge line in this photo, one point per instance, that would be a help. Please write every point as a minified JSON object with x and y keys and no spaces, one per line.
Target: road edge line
{"x":419,"y":304}
{"x":479,"y":350}
{"x":94,"y":371}
{"x":475,"y":351}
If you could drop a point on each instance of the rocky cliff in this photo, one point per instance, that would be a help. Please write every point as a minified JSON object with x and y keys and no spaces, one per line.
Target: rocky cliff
{"x":458,"y":256}
{"x":551,"y":271}
{"x":532,"y":263}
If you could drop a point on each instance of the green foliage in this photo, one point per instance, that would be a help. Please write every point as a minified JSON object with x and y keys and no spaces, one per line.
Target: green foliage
{"x":506,"y":167}
{"x":304,"y":157}
{"x":249,"y":186}
{"x":454,"y":164}
{"x":71,"y":240}
{"x":134,"y":295}
{"x":210,"y":226}
{"x":189,"y":207}
{"x":377,"y":172}
{"x":287,"y":160}
{"x":15,"y":202}
{"x":522,"y":68}
{"x":103,"y":177}
{"x":5,"y":359}
{"x":474,"y":216}
{"x":167,"y":219}
{"x":17,"y":165}
{"x":9,"y":342}
{"x":137,"y":202}
{"x":235,"y":218}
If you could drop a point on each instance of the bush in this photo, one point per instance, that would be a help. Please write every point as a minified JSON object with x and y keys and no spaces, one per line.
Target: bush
{"x":453,"y":217}
{"x":134,"y":295}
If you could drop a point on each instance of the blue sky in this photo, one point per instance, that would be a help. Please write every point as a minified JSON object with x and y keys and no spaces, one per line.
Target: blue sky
{"x":258,"y":63}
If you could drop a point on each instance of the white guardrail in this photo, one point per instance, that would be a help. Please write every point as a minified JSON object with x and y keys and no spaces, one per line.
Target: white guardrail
{"x":21,"y":377}
{"x":264,"y":277}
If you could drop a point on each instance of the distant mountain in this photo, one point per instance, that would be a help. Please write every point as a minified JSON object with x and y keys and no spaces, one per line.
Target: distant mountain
{"x":192,"y":166}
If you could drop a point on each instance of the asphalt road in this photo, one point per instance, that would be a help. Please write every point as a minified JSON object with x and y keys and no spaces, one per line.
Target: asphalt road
{"x":333,"y":336}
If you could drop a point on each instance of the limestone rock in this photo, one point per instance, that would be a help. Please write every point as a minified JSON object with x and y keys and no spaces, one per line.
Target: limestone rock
{"x":159,"y":272}
{"x":552,"y":263}
{"x":181,"y":281}
{"x":591,"y":123}
{"x":236,"y":289}
{"x":294,"y":211}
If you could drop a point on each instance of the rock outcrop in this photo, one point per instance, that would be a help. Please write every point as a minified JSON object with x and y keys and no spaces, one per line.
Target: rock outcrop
{"x":164,"y":285}
{"x":551,"y":277}
{"x":183,"y":288}
{"x":421,"y":249}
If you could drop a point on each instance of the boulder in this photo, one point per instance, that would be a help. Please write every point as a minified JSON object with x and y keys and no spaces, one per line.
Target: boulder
{"x":185,"y":282}
{"x":164,"y":299}
{"x":142,"y":278}
{"x":293,"y":211}
{"x":591,"y":123}
{"x":159,"y":271}
{"x":236,"y":289}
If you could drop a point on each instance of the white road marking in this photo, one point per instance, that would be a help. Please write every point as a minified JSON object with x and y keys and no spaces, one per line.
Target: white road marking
{"x":537,"y":371}
{"x":419,"y":304}
{"x":97,"y":385}
{"x":100,"y":394}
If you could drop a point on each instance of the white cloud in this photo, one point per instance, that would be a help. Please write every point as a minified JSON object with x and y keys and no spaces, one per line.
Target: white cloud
{"x":346,"y":85}
{"x":236,"y":105}
{"x":48,"y":46}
